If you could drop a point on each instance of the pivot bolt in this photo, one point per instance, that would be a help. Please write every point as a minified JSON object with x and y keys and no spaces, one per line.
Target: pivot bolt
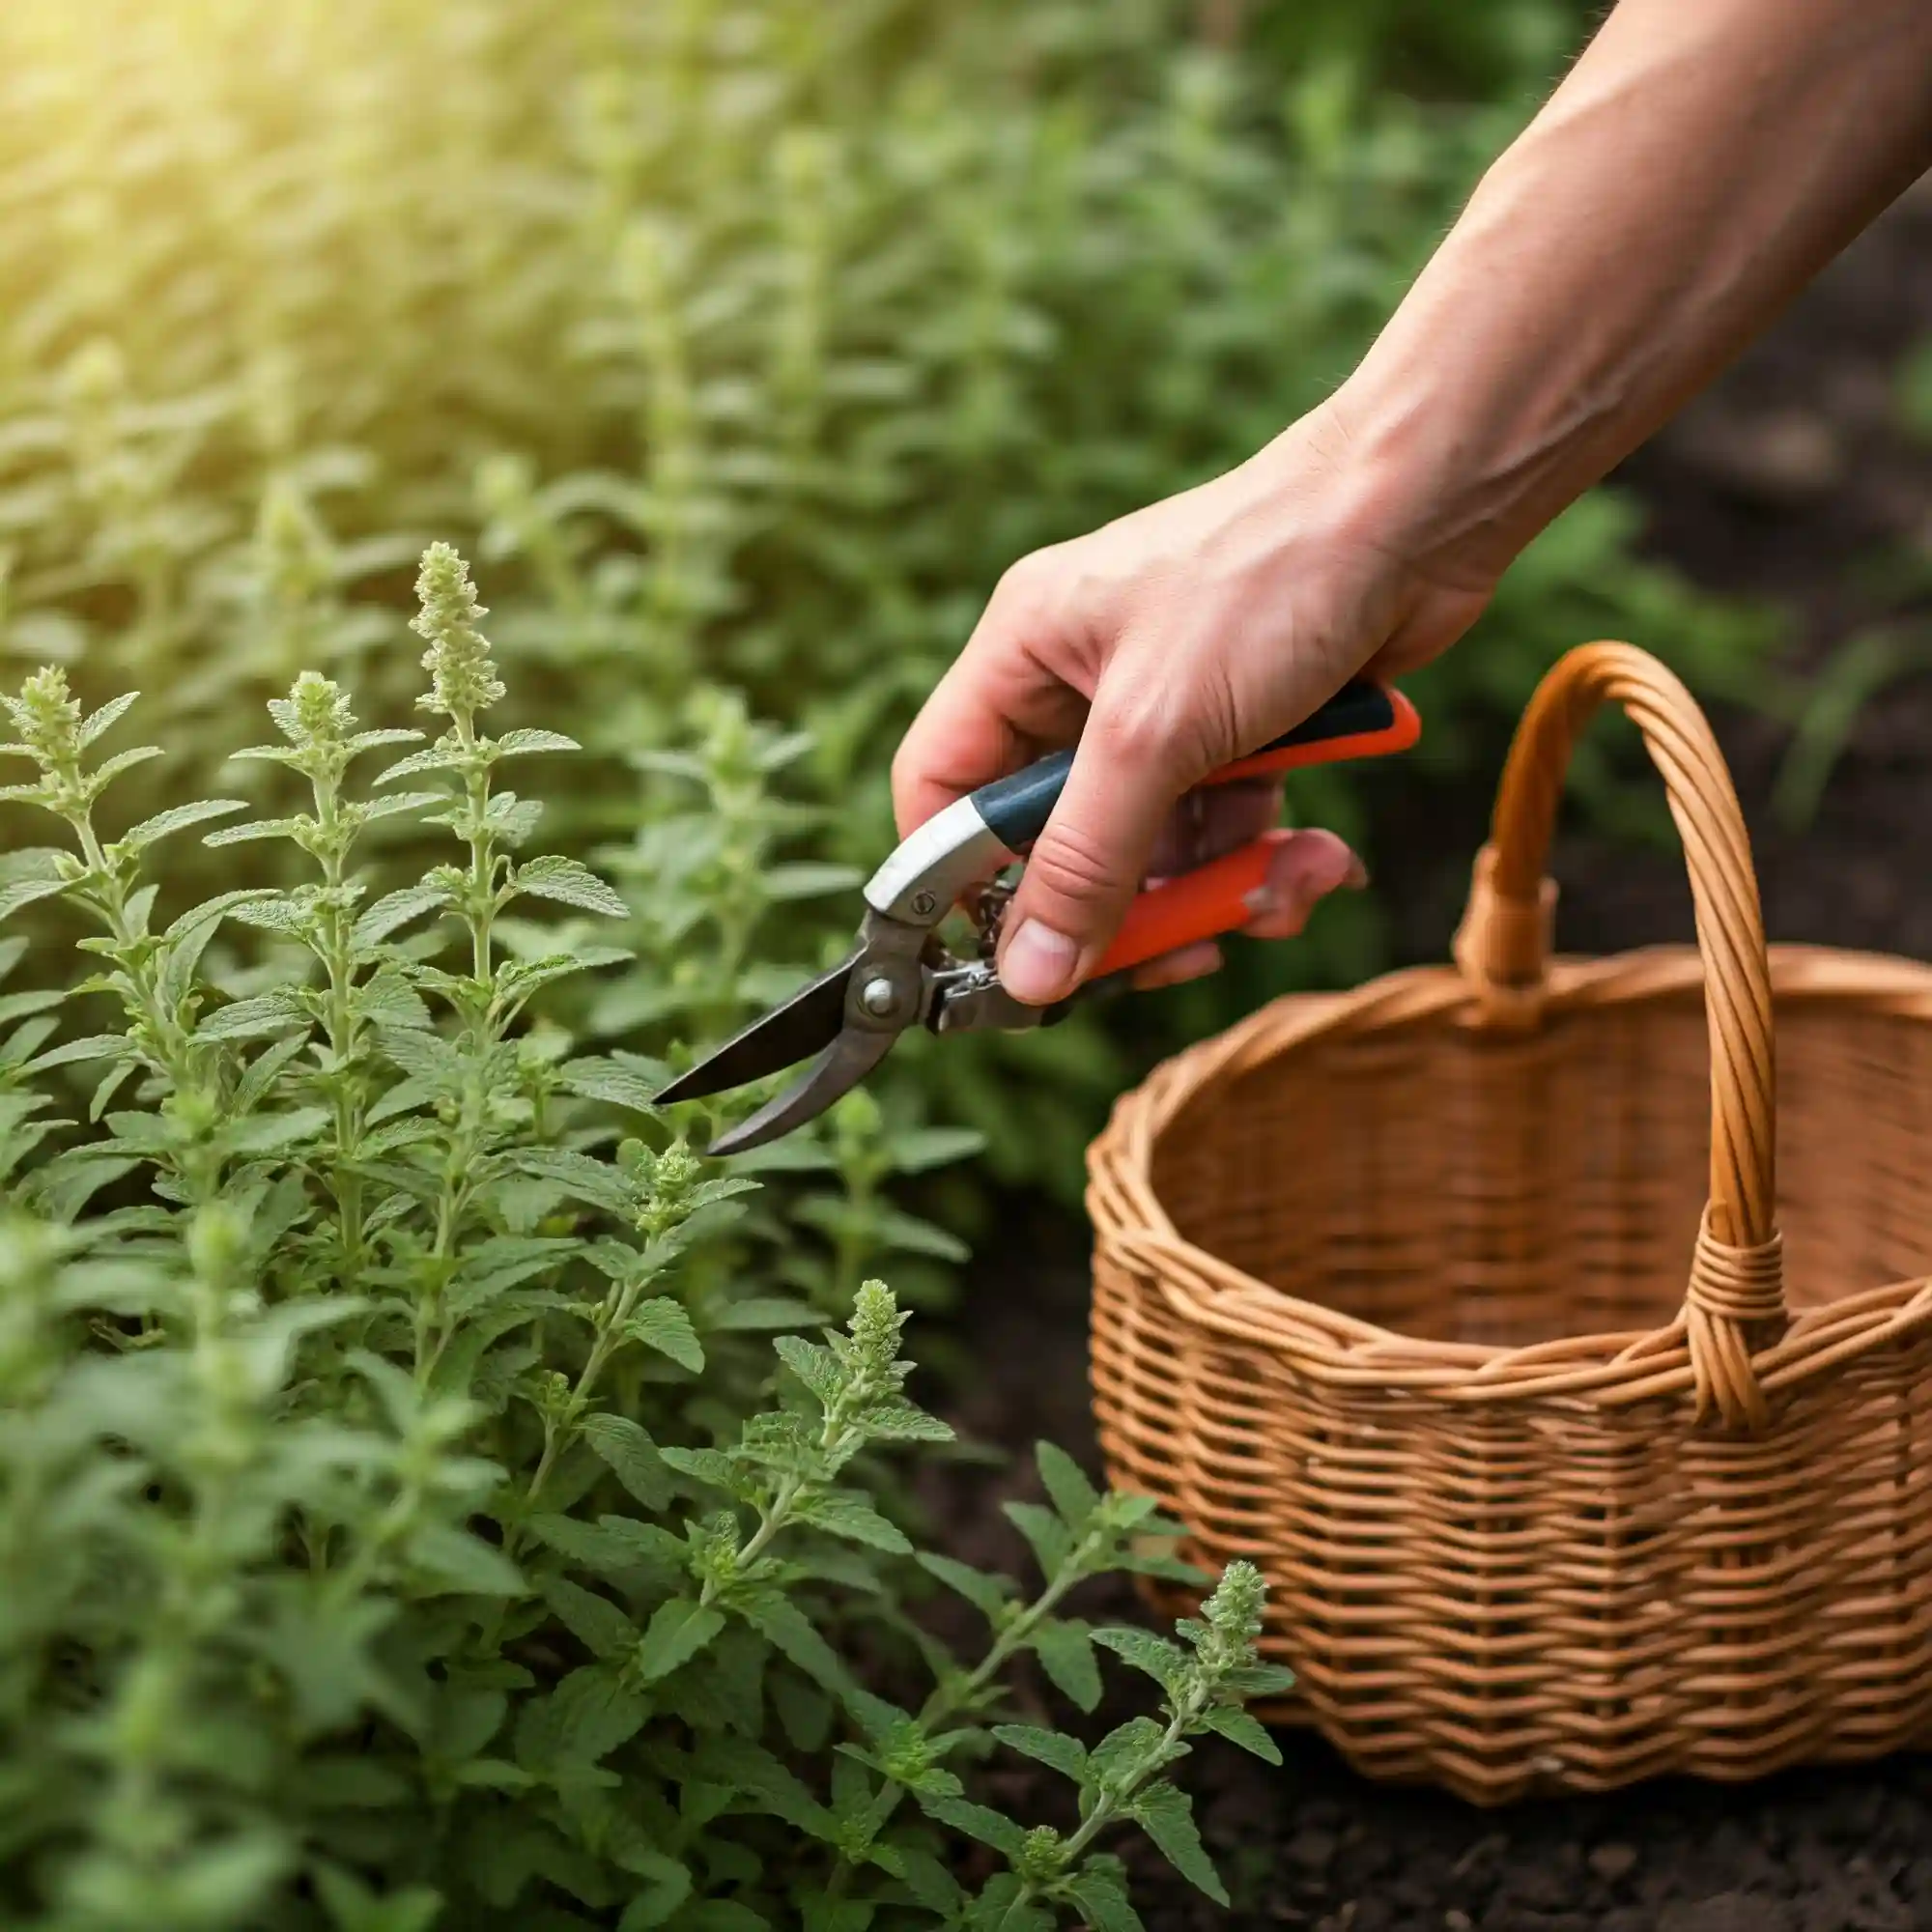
{"x":923,"y":903}
{"x":878,"y":997}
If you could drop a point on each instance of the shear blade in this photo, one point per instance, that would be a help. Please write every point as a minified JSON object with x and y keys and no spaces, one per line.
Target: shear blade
{"x":851,"y":1055}
{"x":805,"y":1024}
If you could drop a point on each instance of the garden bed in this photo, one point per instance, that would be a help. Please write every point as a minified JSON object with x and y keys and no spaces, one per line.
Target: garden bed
{"x":1793,"y":479}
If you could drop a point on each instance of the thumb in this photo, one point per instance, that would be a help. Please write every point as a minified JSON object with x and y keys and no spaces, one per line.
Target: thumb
{"x":1087,"y":865}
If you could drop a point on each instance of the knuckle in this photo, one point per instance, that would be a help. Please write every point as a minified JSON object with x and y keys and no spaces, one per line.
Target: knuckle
{"x":1139,"y":727}
{"x":1076,"y":868}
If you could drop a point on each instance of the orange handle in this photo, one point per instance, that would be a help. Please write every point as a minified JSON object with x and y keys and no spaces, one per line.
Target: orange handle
{"x":1201,"y":904}
{"x":1398,"y":732}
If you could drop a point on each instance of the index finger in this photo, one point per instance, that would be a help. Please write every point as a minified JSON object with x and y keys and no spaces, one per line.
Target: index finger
{"x":998,"y":706}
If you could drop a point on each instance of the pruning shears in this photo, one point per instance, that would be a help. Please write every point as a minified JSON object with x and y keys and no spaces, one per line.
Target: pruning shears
{"x":901,"y":974}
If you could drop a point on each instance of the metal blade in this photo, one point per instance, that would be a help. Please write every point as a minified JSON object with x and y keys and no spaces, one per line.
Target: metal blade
{"x":806,"y":1022}
{"x":835,"y":1072}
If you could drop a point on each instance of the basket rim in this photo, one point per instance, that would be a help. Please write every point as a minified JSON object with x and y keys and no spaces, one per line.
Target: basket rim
{"x":1604,"y":1369}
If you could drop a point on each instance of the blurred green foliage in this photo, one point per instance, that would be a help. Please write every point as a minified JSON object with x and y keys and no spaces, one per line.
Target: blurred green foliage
{"x":745,"y":345}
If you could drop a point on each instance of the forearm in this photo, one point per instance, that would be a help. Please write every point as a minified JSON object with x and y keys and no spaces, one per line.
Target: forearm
{"x":1699,"y":163}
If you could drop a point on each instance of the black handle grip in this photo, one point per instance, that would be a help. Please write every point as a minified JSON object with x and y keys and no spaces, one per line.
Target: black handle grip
{"x":1017,"y":809}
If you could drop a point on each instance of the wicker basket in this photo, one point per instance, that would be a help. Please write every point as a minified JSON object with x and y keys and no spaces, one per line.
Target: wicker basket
{"x":1574,"y":1450}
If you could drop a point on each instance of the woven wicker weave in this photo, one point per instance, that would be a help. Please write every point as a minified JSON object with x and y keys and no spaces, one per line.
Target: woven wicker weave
{"x":1578,"y":1440}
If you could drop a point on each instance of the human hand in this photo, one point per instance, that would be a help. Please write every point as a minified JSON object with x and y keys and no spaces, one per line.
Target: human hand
{"x":1167,"y":643}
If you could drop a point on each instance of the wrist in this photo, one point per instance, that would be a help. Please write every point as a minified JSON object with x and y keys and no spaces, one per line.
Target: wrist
{"x":1383,"y":468}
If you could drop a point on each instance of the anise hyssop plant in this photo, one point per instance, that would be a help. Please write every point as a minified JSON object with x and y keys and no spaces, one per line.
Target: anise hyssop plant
{"x":403,"y":1521}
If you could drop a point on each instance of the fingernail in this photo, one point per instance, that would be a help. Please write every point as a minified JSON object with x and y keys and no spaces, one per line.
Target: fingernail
{"x":1038,"y":964}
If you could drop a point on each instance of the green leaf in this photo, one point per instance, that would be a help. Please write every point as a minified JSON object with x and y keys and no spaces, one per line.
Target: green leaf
{"x":571,"y":883}
{"x":1103,"y":1902}
{"x":612,"y":1546}
{"x":843,"y":1515}
{"x":257,"y":828}
{"x":269,"y":1133}
{"x":581,"y":1177}
{"x":599,"y":1079}
{"x":661,"y":1323}
{"x":455,"y":1560}
{"x":1238,"y":1727}
{"x":1162,"y":1660}
{"x":813,"y":1364}
{"x":593,"y":1712}
{"x":254,"y":1018}
{"x":1064,"y":1754}
{"x":777,"y":1617}
{"x":177,"y":818}
{"x":1051,"y":1542}
{"x":1065,"y":1653}
{"x":24,"y":892}
{"x":516,"y":744}
{"x":109,"y":715}
{"x":763,"y":1312}
{"x":679,"y":1631}
{"x":1073,"y":1495}
{"x":631,"y":1457}
{"x":1260,"y":1680}
{"x":1166,"y":1815}
{"x":990,"y":1827}
{"x":392,"y":911}
{"x":96,"y":1046}
{"x":986,"y":1592}
{"x":596,"y":1622}
{"x":927,"y":1147}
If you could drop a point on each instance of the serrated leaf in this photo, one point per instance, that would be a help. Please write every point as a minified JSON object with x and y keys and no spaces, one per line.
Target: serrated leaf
{"x":437,"y":758}
{"x":990,"y":1827}
{"x":516,"y":744}
{"x":631,"y":1456}
{"x":661,"y":1323}
{"x":1160,"y":1659}
{"x":267,"y":1133}
{"x":1064,"y":1754}
{"x":1103,"y":1902}
{"x":571,"y":883}
{"x":1049,"y":1539}
{"x":24,"y":892}
{"x":853,"y":1519}
{"x":253,"y":1018}
{"x":777,"y":1617}
{"x":812,"y":1363}
{"x":596,"y":1622}
{"x":256,"y":828}
{"x":1073,"y":1495}
{"x":177,"y":818}
{"x":679,"y":1631}
{"x":1065,"y":1653}
{"x":612,"y":1546}
{"x":394,"y":910}
{"x":96,"y":1046}
{"x":1165,"y":1814}
{"x":581,"y":1177}
{"x":109,"y":715}
{"x":987,"y":1593}
{"x":598,"y":1079}
{"x":1238,"y":1727}
{"x":594,"y":1711}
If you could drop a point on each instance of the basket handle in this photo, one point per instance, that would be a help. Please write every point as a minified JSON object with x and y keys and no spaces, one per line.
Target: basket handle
{"x":1736,"y":1291}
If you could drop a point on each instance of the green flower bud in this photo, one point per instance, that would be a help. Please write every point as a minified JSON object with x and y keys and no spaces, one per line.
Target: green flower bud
{"x":462,"y":676}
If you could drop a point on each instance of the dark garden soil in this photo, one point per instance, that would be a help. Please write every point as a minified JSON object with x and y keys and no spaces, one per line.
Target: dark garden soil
{"x":1791,"y":480}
